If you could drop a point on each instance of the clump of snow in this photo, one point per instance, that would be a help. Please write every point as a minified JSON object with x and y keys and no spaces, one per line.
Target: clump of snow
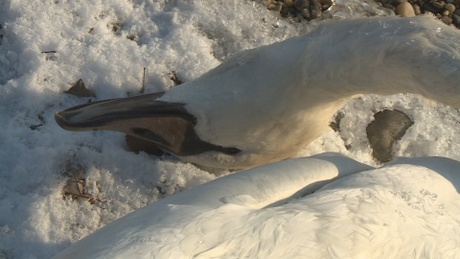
{"x":48,"y":45}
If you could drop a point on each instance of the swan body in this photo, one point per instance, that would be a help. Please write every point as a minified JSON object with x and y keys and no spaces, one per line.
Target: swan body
{"x":326,"y":206}
{"x":266,"y":104}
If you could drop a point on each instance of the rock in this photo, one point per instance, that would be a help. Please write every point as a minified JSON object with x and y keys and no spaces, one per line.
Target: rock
{"x":405,"y":10}
{"x":335,"y":123}
{"x":450,"y":8}
{"x":289,"y":3}
{"x":315,"y":8}
{"x":388,"y":127}
{"x":447,"y":20}
{"x":79,"y":89}
{"x":456,"y":19}
{"x":417,"y":9}
{"x":306,"y":14}
{"x":439,"y":5}
{"x":299,"y":5}
{"x":432,"y":8}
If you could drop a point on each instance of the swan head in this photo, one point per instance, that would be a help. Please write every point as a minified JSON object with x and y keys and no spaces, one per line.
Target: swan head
{"x":167,"y":125}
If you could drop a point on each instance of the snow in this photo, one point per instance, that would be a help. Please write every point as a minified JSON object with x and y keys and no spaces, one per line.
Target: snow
{"x":91,"y":41}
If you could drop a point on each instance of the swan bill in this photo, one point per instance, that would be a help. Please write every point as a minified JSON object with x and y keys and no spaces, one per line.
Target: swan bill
{"x":167,"y":125}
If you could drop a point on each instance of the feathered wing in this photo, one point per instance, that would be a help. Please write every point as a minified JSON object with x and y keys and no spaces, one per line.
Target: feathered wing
{"x":407,"y":209}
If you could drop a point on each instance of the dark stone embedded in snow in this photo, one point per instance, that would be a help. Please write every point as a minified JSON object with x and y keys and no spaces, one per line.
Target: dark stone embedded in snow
{"x":79,"y":89}
{"x":173,"y":76}
{"x":137,"y":145}
{"x":388,"y":127}
{"x":335,"y":123}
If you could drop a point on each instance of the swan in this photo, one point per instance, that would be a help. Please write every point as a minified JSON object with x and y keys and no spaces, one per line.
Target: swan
{"x":266,"y":104}
{"x":325,"y":206}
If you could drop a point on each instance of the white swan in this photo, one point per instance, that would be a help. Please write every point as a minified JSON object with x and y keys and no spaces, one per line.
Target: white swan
{"x":266,"y":104}
{"x":327,"y":206}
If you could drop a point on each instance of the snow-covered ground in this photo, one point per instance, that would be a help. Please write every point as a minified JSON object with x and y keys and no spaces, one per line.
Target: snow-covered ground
{"x":48,"y":45}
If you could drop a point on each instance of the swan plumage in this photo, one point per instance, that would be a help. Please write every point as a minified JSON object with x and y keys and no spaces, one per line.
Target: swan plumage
{"x":266,"y":104}
{"x":327,"y":206}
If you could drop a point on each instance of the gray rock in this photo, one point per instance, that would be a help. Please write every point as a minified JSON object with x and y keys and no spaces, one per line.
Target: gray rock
{"x":447,"y":20}
{"x":417,"y":9}
{"x":450,"y":8}
{"x":432,"y":8}
{"x":388,"y":127}
{"x":456,"y":19}
{"x":299,"y":5}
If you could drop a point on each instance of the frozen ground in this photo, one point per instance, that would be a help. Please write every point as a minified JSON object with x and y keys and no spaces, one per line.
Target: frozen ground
{"x":48,"y":45}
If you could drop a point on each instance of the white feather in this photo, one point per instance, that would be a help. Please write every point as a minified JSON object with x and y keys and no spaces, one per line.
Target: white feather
{"x":407,"y":209}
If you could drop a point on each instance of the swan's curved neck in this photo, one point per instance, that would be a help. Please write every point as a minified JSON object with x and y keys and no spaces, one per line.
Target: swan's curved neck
{"x":417,"y":55}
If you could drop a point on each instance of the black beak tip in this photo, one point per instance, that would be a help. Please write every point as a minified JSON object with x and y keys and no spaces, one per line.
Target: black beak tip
{"x":60,"y":120}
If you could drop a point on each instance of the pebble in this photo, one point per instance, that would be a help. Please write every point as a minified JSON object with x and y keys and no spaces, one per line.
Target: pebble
{"x":299,"y":9}
{"x":456,"y":19}
{"x":445,"y":10}
{"x":417,"y":9}
{"x":299,"y":4}
{"x":289,"y":3}
{"x":405,"y":9}
{"x":450,"y":8}
{"x":447,"y":20}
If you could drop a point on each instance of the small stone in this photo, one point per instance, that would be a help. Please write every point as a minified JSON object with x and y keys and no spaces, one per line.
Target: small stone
{"x":431,"y":8}
{"x":457,"y":12}
{"x":450,"y":8}
{"x":315,"y":13}
{"x":456,"y":19}
{"x":306,"y":14}
{"x":388,"y":127}
{"x":446,"y":13}
{"x":79,"y":89}
{"x":315,"y":9}
{"x":284,"y":11}
{"x":447,"y":20}
{"x":439,"y":5}
{"x":275,"y":7}
{"x":299,"y":4}
{"x":335,"y":123}
{"x":405,"y":10}
{"x":417,"y":9}
{"x":288,"y":3}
